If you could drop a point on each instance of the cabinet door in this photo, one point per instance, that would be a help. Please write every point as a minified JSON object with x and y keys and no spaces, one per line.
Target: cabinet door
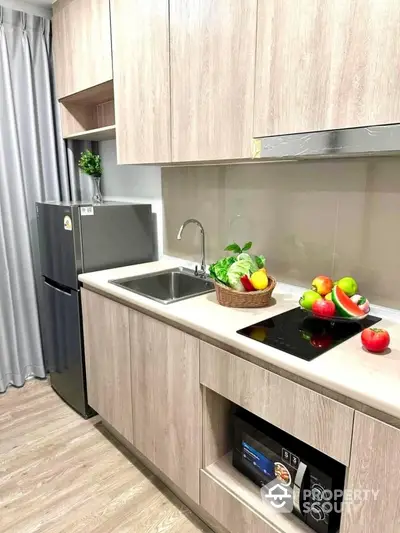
{"x":107,"y":356}
{"x":294,"y":49}
{"x":166,"y":400}
{"x":374,"y":466}
{"x":140,"y":37}
{"x":212,"y":78}
{"x":81,"y":45}
{"x":326,"y":64}
{"x":365,"y":79}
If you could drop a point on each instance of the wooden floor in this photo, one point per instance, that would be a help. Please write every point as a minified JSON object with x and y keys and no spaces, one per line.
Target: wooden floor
{"x":60,"y":473}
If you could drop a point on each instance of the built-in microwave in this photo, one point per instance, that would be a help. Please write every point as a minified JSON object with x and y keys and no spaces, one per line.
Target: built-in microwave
{"x":286,"y":467}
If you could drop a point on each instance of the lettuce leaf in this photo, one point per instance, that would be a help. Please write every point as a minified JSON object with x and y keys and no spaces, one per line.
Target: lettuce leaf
{"x":260,"y":260}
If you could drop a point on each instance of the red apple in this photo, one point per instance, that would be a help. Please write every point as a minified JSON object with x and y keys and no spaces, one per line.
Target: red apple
{"x":323,"y":285}
{"x":324,"y":308}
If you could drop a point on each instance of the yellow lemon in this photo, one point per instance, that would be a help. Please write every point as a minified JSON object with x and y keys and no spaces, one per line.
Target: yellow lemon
{"x":259,"y":280}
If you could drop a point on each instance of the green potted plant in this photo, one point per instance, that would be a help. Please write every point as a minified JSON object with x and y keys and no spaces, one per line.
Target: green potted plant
{"x":90,"y":164}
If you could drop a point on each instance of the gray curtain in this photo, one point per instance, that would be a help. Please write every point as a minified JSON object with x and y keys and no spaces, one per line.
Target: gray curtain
{"x":35,"y":165}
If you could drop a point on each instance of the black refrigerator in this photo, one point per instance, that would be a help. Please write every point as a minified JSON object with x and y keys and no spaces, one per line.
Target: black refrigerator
{"x":76,"y":238}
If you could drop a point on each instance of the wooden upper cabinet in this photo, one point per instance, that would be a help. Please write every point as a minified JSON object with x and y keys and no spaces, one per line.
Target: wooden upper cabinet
{"x":140,"y":37}
{"x":107,"y":356}
{"x":294,"y":49}
{"x":81,"y":45}
{"x":365,"y":76}
{"x":372,"y":478}
{"x":326,"y":64}
{"x":212,"y":78}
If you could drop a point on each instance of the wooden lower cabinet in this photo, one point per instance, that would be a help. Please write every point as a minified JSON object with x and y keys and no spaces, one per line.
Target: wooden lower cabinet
{"x":311,"y":417}
{"x":107,"y":356}
{"x":374,"y":466}
{"x":166,"y":400}
{"x":143,"y":378}
{"x":229,"y":511}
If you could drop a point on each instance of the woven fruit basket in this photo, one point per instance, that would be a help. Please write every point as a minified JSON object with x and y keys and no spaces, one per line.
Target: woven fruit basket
{"x":231,"y":298}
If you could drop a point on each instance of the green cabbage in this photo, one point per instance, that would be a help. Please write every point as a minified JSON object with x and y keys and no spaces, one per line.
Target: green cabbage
{"x":257,"y":261}
{"x":251,"y":260}
{"x":242,"y":267}
{"x":219,"y":270}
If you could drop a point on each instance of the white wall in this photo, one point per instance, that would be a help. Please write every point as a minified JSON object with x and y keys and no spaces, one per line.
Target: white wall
{"x":131,"y":183}
{"x":27,"y":7}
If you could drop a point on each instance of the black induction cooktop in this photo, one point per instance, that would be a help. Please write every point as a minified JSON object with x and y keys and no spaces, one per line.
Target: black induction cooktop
{"x":303,"y":336}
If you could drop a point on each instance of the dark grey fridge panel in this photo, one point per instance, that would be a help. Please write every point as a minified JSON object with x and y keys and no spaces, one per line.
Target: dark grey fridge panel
{"x":82,"y":238}
{"x":62,"y":345}
{"x":116,"y":235}
{"x":59,"y":243}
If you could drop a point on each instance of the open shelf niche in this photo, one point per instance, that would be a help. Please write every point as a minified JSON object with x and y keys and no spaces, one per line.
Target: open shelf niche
{"x":223,"y":488}
{"x":89,"y":115}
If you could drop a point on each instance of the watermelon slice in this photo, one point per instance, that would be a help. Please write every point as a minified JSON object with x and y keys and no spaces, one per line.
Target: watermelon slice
{"x":344,"y":305}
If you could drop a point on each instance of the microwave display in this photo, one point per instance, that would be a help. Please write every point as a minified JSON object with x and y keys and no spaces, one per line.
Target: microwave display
{"x":266,"y":463}
{"x":258,"y":460}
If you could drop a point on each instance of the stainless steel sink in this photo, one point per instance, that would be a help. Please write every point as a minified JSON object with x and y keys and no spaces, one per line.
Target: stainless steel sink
{"x":167,"y":286}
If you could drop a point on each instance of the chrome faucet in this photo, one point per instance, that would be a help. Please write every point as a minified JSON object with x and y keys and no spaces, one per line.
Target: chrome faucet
{"x":202,"y":273}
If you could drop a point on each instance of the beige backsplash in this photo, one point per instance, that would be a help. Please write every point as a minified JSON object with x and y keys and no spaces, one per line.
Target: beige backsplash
{"x":337,"y":217}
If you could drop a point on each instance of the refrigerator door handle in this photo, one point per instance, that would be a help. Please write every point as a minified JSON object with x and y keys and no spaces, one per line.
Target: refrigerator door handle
{"x":58,"y":287}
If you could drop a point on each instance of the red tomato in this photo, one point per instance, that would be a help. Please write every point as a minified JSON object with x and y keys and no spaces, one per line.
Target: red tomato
{"x":324,"y":308}
{"x":375,"y":340}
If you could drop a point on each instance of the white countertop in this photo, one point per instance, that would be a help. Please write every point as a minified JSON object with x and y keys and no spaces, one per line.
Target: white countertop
{"x":348,"y":369}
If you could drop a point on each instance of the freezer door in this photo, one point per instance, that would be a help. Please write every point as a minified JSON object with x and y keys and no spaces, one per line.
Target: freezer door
{"x":59,"y":243}
{"x":116,"y":235}
{"x":62,"y":344}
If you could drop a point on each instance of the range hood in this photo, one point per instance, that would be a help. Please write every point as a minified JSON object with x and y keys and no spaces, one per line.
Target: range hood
{"x":368,"y":141}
